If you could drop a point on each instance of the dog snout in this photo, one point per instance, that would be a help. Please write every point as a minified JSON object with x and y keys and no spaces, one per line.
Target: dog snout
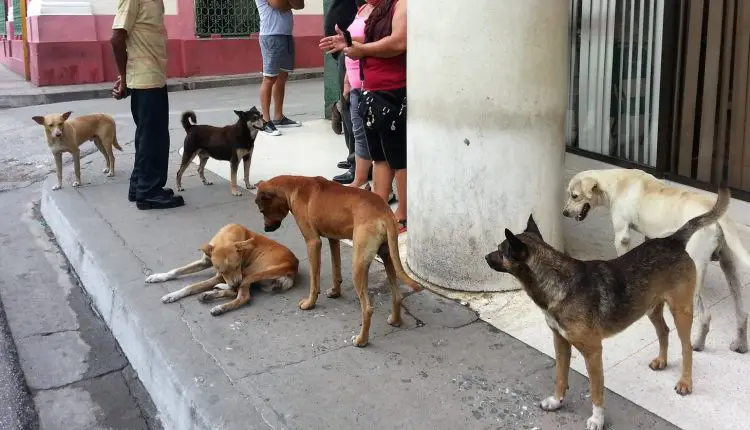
{"x":566,"y":213}
{"x":272,"y":227}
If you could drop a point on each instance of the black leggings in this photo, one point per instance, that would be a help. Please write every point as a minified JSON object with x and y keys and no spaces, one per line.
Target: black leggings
{"x":387,"y":145}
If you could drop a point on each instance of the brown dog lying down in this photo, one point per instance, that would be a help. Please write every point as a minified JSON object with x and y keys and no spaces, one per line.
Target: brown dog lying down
{"x":324,"y":208}
{"x":240,"y":258}
{"x":587,"y":301}
{"x":67,"y":135}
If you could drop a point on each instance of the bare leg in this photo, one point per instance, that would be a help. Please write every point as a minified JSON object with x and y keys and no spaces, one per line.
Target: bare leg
{"x":401,"y":194}
{"x":382,"y":179}
{"x":279,"y":88}
{"x":361,"y":171}
{"x":266,"y":88}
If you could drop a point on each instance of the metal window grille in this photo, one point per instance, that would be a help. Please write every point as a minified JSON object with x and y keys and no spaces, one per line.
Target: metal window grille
{"x":17,"y":17}
{"x":231,"y":18}
{"x":4,"y":14}
{"x":615,"y":77}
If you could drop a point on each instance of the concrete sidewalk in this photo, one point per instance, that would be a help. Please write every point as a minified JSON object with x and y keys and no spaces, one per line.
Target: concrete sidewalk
{"x":270,"y":365}
{"x":16,"y":92}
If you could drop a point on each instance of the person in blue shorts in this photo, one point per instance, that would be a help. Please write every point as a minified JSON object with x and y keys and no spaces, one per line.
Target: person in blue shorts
{"x":277,"y":49}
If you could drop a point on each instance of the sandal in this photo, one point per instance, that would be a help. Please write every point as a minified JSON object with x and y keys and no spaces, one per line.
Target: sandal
{"x":401,"y":226}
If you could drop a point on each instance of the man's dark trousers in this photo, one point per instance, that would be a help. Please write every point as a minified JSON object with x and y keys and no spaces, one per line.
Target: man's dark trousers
{"x":150,"y":109}
{"x":346,"y":119}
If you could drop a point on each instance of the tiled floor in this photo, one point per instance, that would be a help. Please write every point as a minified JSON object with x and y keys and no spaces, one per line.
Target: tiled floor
{"x":721,"y":382}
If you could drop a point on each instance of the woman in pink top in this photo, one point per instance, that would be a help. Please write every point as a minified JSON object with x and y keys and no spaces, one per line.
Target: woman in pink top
{"x":353,"y":91}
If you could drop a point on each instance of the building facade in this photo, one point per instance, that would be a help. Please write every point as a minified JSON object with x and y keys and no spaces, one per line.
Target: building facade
{"x":68,"y":40}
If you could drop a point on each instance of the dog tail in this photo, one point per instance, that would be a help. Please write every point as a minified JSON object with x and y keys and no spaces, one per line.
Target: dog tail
{"x":114,"y":140}
{"x":720,"y":207}
{"x":188,"y":119}
{"x":392,"y":232}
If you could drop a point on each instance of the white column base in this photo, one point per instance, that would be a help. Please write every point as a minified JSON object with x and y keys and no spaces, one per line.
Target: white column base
{"x":58,"y":7}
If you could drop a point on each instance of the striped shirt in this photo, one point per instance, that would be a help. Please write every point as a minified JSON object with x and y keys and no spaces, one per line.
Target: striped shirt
{"x":146,"y":43}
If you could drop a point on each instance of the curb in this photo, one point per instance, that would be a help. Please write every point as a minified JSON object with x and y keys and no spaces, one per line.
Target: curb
{"x":179,"y":394}
{"x":47,"y":95}
{"x":18,"y":410}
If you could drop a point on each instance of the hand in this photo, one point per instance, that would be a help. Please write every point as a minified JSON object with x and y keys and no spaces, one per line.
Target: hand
{"x":333,"y":44}
{"x":356,"y":51}
{"x":119,"y":91}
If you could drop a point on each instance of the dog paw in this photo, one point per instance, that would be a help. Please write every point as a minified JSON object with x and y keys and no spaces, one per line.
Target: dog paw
{"x":56,"y":187}
{"x":595,"y":423}
{"x":158,"y":277}
{"x":237,"y":193}
{"x":206,"y":297}
{"x":551,"y":404}
{"x":306,"y":304}
{"x":683,"y":387}
{"x":217,"y":310}
{"x":359,"y":343}
{"x":76,"y":184}
{"x":222,"y":286}
{"x":698,"y":347}
{"x":105,"y":170}
{"x":207,"y":183}
{"x":738,"y":346}
{"x":170,"y":298}
{"x":180,"y":188}
{"x":658,"y":364}
{"x":111,"y":174}
{"x":394,"y":321}
{"x":333,"y":293}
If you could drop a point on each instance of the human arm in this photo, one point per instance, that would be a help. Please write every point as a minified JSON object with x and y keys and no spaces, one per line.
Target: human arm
{"x":297,"y":4}
{"x":389,"y":46}
{"x":127,"y":12}
{"x":280,"y":5}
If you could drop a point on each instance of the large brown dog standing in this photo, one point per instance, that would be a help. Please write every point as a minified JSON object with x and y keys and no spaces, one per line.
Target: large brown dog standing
{"x":67,"y":135}
{"x":240,"y":258}
{"x":323,"y":208}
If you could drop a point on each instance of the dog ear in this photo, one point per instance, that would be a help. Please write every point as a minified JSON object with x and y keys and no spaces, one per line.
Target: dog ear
{"x":207,"y":249}
{"x":239,"y":113}
{"x":531,"y":226}
{"x":245,"y":244}
{"x":589,"y":186}
{"x":265,"y":195}
{"x":66,"y":115}
{"x":38,"y":119}
{"x":516,"y":247}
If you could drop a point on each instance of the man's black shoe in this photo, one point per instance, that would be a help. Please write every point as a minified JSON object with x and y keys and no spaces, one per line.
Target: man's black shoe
{"x":167,"y":192}
{"x":160,"y":202}
{"x":344,"y":178}
{"x":344,"y":165}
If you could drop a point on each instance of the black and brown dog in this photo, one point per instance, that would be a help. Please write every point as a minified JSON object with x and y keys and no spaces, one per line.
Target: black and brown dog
{"x":587,"y":301}
{"x":229,"y":143}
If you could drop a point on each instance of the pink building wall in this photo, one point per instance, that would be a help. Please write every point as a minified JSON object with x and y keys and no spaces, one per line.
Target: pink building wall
{"x":75,"y":49}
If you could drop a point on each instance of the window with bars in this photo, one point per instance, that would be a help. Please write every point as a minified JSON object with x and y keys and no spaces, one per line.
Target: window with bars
{"x":229,"y":18}
{"x":4,"y":13}
{"x":17,"y":17}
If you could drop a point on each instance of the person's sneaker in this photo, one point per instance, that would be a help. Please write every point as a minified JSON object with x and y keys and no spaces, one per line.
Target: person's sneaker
{"x":270,"y":129}
{"x":162,"y":201}
{"x":286,"y":122}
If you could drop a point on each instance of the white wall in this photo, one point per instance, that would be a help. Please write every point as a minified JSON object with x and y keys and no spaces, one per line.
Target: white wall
{"x":108,"y":7}
{"x":312,"y":7}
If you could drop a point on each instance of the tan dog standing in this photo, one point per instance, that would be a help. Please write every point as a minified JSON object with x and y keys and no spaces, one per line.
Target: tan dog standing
{"x":240,"y":258}
{"x":324,"y":208}
{"x":67,"y":135}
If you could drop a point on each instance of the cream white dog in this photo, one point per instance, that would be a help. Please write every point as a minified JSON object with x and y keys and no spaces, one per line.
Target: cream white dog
{"x":639,"y":202}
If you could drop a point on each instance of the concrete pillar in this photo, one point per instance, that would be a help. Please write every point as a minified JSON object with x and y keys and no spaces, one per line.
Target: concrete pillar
{"x":487,"y":95}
